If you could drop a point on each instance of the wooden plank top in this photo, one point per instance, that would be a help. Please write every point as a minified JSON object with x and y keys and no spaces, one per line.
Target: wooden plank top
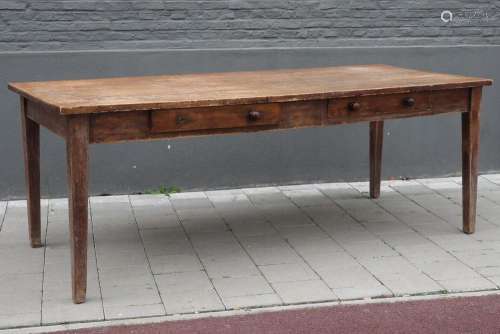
{"x":230,"y":88}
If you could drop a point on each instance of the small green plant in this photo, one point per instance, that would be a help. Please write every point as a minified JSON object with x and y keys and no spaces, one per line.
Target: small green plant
{"x":167,"y":191}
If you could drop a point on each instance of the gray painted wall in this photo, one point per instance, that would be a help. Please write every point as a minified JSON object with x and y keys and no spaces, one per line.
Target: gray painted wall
{"x":63,"y":39}
{"x":413,"y":147}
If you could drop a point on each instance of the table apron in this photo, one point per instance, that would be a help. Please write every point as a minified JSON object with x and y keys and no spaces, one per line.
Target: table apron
{"x":171,"y":123}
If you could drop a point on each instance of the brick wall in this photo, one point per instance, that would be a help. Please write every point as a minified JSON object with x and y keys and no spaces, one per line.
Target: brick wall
{"x":82,"y":25}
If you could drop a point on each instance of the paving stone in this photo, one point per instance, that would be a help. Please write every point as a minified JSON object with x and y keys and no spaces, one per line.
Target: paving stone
{"x":330,"y":214}
{"x":489,"y":271}
{"x":249,"y":229}
{"x":292,"y":218}
{"x":485,"y":259}
{"x":149,"y":201}
{"x":364,"y":210}
{"x":233,"y":267}
{"x":367,"y":249}
{"x":56,"y":310}
{"x":302,"y":291}
{"x":194,"y":225}
{"x":376,"y":291}
{"x":458,"y":243}
{"x":21,"y":302}
{"x":268,"y":299}
{"x":464,"y":284}
{"x":448,"y":270}
{"x":387,"y":227}
{"x":23,"y":318}
{"x":156,"y":221}
{"x":241,"y":217}
{"x":273,"y":255}
{"x":133,"y":311}
{"x":224,"y":192}
{"x":230,"y":201}
{"x":390,"y":268}
{"x":405,"y":284}
{"x":425,"y":253}
{"x":409,"y":241}
{"x":184,"y":202}
{"x":326,"y":261}
{"x":188,"y":292}
{"x":308,"y":197}
{"x":288,"y":272}
{"x":353,"y":276}
{"x":242,"y":286}
{"x":164,"y":264}
{"x":338,"y":190}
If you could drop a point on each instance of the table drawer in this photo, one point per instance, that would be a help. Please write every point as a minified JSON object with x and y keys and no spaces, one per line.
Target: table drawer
{"x":397,"y":105}
{"x":192,"y":119}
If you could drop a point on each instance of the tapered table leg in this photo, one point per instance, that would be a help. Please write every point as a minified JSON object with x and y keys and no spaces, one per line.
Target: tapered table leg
{"x":470,"y":151}
{"x":77,"y":155}
{"x":376,"y":141}
{"x":31,"y":146}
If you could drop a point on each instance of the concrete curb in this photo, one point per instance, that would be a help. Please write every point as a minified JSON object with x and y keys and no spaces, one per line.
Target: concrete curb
{"x":191,"y":316}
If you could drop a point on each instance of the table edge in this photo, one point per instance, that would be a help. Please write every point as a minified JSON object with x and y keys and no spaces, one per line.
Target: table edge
{"x":96,"y":109}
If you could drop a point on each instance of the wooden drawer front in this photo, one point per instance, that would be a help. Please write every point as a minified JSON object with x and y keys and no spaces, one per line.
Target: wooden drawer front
{"x":397,"y":105}
{"x":191,"y":119}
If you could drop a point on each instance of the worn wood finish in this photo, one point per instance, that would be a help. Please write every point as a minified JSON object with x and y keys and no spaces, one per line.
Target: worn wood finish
{"x":303,"y":113}
{"x":31,"y":147}
{"x":470,"y":152}
{"x":49,"y":118}
{"x":77,"y":156}
{"x":170,"y":123}
{"x":376,"y":141}
{"x":380,"y":107}
{"x":226,"y":117}
{"x":119,"y":126}
{"x":147,"y":108}
{"x":234,"y":88}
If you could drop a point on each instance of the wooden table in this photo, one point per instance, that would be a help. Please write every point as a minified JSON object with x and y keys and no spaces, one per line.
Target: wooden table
{"x":153,"y":107}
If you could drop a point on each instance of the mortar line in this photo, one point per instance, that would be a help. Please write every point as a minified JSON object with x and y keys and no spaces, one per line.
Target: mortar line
{"x":254,"y":310}
{"x":342,"y":246}
{"x":459,"y":204}
{"x":147,"y":255}
{"x":292,"y":247}
{"x":204,"y":268}
{"x":410,"y":227}
{"x":440,"y":218}
{"x":493,"y":190}
{"x":245,"y":250}
{"x":44,"y":258}
{"x":95,"y":258}
{"x":4,"y":214}
{"x":485,"y":177}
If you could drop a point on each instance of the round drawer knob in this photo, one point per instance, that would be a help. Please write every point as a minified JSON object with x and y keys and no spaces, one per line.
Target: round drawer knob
{"x":409,"y":102}
{"x":254,"y":115}
{"x":353,"y":106}
{"x":180,"y":120}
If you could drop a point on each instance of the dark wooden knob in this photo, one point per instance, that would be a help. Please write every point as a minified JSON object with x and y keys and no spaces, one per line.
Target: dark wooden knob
{"x":409,"y":102}
{"x":180,"y":120}
{"x":254,"y":115}
{"x":353,"y":106}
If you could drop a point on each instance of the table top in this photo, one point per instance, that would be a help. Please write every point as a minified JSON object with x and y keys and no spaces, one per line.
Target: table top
{"x":231,"y":88}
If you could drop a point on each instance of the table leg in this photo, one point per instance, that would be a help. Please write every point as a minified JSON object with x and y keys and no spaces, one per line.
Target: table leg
{"x":376,"y":140}
{"x":31,"y":146}
{"x":77,"y":155}
{"x":470,"y":150}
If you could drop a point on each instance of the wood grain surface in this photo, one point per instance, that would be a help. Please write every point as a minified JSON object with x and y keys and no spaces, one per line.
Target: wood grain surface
{"x":231,"y":88}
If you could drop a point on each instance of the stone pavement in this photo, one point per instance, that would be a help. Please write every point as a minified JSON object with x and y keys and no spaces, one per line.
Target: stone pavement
{"x":153,"y":255}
